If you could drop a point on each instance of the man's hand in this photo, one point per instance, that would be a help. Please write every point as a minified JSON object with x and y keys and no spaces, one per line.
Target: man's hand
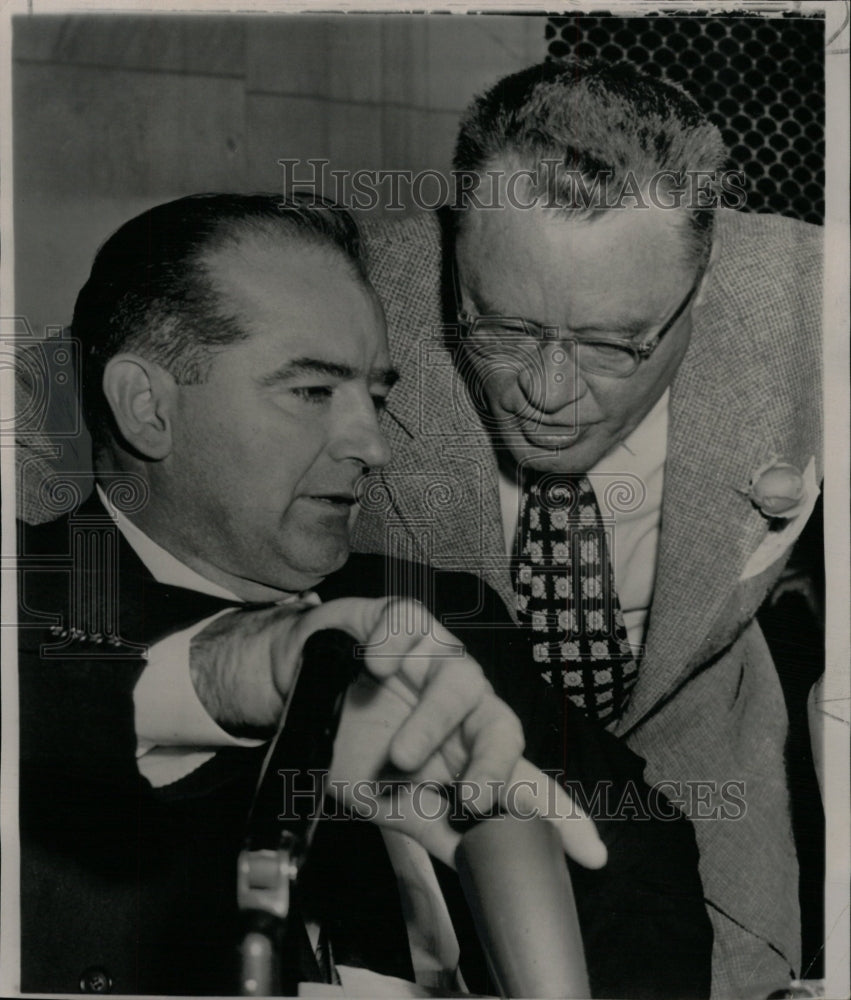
{"x":243,"y":664}
{"x":421,"y":710}
{"x":425,"y":708}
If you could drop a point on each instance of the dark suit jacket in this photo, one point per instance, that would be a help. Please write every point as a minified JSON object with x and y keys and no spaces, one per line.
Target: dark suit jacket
{"x":137,"y":884}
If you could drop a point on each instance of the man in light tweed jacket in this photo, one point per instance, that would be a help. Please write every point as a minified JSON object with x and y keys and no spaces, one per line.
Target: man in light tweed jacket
{"x":700,"y":434}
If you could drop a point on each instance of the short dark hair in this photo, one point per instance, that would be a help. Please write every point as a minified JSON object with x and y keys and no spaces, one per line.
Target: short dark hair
{"x":150,"y":291}
{"x":593,"y":118}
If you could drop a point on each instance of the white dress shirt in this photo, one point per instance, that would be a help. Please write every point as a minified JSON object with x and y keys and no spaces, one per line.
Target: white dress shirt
{"x":175,"y":734}
{"x":638,"y":459}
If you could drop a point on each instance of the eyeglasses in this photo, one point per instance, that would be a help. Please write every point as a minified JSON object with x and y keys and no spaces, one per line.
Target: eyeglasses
{"x":609,"y":356}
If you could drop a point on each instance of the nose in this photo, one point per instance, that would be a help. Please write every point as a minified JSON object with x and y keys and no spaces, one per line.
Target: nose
{"x":360,"y":437}
{"x":550,"y":379}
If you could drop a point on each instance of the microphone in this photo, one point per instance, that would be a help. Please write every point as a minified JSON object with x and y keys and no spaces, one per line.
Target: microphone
{"x":304,"y":744}
{"x":518,"y":888}
{"x":276,"y":845}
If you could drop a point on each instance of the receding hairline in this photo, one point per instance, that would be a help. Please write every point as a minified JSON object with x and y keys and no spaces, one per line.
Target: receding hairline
{"x":277,"y":238}
{"x":555,"y":215}
{"x":278,"y":251}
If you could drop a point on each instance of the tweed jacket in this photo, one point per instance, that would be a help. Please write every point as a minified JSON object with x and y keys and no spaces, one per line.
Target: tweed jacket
{"x":707,"y":707}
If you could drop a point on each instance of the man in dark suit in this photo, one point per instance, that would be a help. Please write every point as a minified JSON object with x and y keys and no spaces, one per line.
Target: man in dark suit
{"x":235,"y":364}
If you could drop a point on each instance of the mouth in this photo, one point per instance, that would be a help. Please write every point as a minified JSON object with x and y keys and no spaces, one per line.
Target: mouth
{"x":544,"y":436}
{"x":341,"y":503}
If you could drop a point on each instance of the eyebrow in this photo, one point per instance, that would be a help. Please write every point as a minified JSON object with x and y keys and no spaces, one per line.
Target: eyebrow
{"x":627,"y":329}
{"x":387,"y":377}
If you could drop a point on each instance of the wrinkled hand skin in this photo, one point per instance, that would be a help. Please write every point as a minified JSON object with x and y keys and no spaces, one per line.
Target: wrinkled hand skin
{"x":421,"y":706}
{"x":242,"y":666}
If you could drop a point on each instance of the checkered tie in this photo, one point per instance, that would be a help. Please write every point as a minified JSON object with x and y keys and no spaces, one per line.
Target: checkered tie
{"x":566,"y":594}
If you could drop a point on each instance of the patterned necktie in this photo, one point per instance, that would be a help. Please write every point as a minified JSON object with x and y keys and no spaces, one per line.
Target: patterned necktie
{"x":566,"y":594}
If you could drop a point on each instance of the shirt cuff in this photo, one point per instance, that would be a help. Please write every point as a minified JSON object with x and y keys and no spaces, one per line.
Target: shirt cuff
{"x":168,"y":711}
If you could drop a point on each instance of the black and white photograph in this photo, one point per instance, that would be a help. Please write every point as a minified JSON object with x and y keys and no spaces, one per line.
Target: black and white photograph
{"x":425,"y":489}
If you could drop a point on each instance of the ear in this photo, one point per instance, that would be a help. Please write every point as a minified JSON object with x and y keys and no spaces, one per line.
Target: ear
{"x":141,"y":395}
{"x":706,"y":277}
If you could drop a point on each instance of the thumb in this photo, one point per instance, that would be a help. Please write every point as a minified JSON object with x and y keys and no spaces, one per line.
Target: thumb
{"x":359,"y":616}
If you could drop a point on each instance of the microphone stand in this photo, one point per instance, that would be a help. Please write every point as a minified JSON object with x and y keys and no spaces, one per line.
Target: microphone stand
{"x":276,"y":844}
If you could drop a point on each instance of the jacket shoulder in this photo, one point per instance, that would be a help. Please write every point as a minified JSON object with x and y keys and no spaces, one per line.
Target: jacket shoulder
{"x":407,"y":262}
{"x":765,"y":328}
{"x":777,"y":230}
{"x":43,"y":557}
{"x":414,"y":232}
{"x":771,"y":263}
{"x":47,"y":538}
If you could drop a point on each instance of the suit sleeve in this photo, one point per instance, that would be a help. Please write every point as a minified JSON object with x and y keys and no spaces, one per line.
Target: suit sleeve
{"x":78,"y":741}
{"x":114,"y":873}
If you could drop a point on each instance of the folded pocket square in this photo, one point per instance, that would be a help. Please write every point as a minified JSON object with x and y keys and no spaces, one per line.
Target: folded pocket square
{"x":778,"y":540}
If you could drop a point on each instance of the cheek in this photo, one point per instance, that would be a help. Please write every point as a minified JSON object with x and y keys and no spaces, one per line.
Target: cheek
{"x":625,"y":402}
{"x":209,"y":424}
{"x":610,"y":406}
{"x":229,"y":426}
{"x":495,"y":386}
{"x":281,"y":465}
{"x":253,"y":459}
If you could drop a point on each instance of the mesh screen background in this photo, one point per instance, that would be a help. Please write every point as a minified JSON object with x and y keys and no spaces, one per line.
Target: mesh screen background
{"x":760,"y":80}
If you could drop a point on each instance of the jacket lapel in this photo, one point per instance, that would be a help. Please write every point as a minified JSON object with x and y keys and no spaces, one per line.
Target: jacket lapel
{"x":709,"y":526}
{"x":143,"y":609}
{"x":440,"y":494}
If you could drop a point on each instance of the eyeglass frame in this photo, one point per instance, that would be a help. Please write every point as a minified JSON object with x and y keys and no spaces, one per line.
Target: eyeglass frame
{"x":639,"y":352}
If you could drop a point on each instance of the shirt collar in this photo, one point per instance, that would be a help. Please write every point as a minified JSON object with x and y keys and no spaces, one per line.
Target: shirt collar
{"x":166,"y":568}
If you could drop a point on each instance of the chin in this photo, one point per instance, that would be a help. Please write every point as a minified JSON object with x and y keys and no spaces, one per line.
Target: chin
{"x":569,"y":461}
{"x":311,"y":571}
